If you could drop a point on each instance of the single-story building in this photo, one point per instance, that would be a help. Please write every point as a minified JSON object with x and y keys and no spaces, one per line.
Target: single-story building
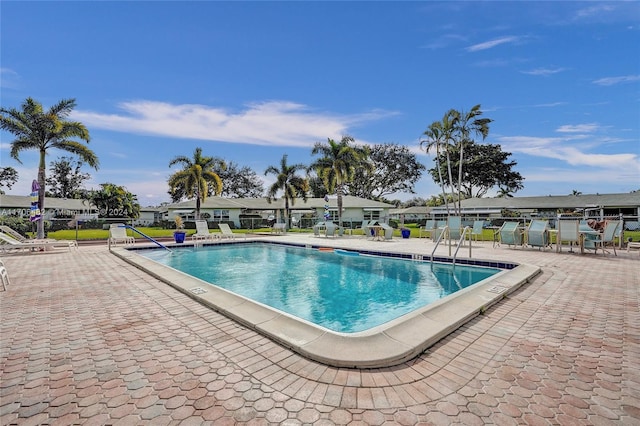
{"x":413,"y":214}
{"x":66,"y":209}
{"x":256,"y":212}
{"x":625,"y":205}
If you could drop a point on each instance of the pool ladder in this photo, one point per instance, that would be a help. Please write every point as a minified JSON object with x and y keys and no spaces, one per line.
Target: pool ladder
{"x":466,"y":231}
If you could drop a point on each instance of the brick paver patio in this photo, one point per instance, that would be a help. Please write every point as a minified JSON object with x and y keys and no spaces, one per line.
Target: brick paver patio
{"x":88,"y":339}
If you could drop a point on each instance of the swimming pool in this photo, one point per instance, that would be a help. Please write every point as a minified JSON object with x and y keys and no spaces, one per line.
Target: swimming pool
{"x":385,"y":345}
{"x":341,"y":293}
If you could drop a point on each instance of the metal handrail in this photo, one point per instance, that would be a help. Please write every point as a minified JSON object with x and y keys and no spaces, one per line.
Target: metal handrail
{"x":464,"y":233}
{"x":147,"y":237}
{"x":444,"y":230}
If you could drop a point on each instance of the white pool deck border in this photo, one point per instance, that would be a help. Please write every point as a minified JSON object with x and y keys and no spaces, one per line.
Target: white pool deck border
{"x":387,"y":345}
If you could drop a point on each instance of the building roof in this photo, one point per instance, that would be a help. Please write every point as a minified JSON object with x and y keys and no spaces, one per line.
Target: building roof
{"x":24,"y":201}
{"x":411,"y":210}
{"x":215,"y":202}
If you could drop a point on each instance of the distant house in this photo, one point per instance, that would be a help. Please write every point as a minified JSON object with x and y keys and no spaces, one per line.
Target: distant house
{"x":414,"y":214}
{"x":626,"y":205}
{"x":55,"y":208}
{"x":67,"y":209}
{"x":257,"y":212}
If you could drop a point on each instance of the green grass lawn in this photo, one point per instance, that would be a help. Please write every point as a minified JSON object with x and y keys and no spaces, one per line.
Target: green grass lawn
{"x":103,"y":234}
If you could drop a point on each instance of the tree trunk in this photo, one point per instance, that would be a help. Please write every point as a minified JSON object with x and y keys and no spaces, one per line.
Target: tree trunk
{"x":339,"y":191}
{"x":41,"y":181}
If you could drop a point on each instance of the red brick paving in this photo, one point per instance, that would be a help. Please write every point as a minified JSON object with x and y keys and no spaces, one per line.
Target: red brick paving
{"x":88,"y":339}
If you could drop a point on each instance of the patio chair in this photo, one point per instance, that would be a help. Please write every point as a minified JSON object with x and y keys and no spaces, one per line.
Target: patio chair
{"x":388,"y":231}
{"x":4,"y":276}
{"x":511,"y":234}
{"x":330,"y":229}
{"x":478,"y":226}
{"x":365,"y":227}
{"x":13,"y":233}
{"x":226,"y":231}
{"x":9,"y":244}
{"x":428,"y":228}
{"x":455,"y":227}
{"x":538,"y":234}
{"x":118,"y":234}
{"x":568,"y":231}
{"x":202,"y":232}
{"x":604,"y":239}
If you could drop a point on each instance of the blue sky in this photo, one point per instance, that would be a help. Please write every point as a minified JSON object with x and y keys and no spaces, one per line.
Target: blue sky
{"x":251,"y":81}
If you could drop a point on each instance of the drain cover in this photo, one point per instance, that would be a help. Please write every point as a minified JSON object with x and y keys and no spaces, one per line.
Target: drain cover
{"x":496,"y":289}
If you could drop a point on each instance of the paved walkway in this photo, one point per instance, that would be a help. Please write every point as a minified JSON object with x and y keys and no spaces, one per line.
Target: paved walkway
{"x":88,"y":339}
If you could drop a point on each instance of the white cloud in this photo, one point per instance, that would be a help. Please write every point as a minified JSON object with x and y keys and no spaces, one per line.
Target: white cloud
{"x":9,"y":79}
{"x":610,"y":81}
{"x":561,"y":148}
{"x":578,"y":128}
{"x":544,"y":71}
{"x":492,"y":43}
{"x":273,"y":123}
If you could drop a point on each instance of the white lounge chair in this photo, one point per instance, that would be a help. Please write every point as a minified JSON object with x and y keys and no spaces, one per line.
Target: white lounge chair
{"x":13,"y":233}
{"x":4,"y":276}
{"x":10,"y":244}
{"x":118,"y":234}
{"x":226,"y":231}
{"x":202,"y":232}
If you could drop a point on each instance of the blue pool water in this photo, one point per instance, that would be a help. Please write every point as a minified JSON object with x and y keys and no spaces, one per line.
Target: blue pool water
{"x":341,"y":293}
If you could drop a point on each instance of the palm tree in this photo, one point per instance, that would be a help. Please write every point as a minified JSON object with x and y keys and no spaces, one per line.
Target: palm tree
{"x":504,"y":193}
{"x":36,"y":129}
{"x":436,"y":138}
{"x":465,"y":124}
{"x":338,"y":164}
{"x":293,"y":186}
{"x":197,"y":176}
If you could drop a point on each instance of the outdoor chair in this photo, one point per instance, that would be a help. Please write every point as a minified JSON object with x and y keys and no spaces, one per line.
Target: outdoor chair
{"x":538,"y":234}
{"x":428,"y":228}
{"x":4,"y":276}
{"x":13,"y":233}
{"x":388,"y":231}
{"x":202,"y":232}
{"x":478,"y":226}
{"x":568,"y":232}
{"x":9,"y":244}
{"x":511,"y":234}
{"x":226,"y":231}
{"x":604,"y":239}
{"x":118,"y":234}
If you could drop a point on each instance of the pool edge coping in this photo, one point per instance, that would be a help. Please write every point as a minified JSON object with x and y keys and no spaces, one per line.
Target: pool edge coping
{"x":384,"y":346}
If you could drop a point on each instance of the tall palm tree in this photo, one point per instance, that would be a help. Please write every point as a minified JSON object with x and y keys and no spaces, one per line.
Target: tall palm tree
{"x":436,"y":138}
{"x":42,"y":130}
{"x":338,"y":163}
{"x":197,"y":176}
{"x":293,"y":186}
{"x":466,"y":125}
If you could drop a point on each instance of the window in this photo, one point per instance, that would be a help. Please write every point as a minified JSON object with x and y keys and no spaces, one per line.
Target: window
{"x":220,"y":215}
{"x":372,"y":215}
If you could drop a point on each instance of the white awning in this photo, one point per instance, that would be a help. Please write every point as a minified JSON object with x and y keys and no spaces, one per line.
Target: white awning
{"x":372,"y":209}
{"x":182,"y":211}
